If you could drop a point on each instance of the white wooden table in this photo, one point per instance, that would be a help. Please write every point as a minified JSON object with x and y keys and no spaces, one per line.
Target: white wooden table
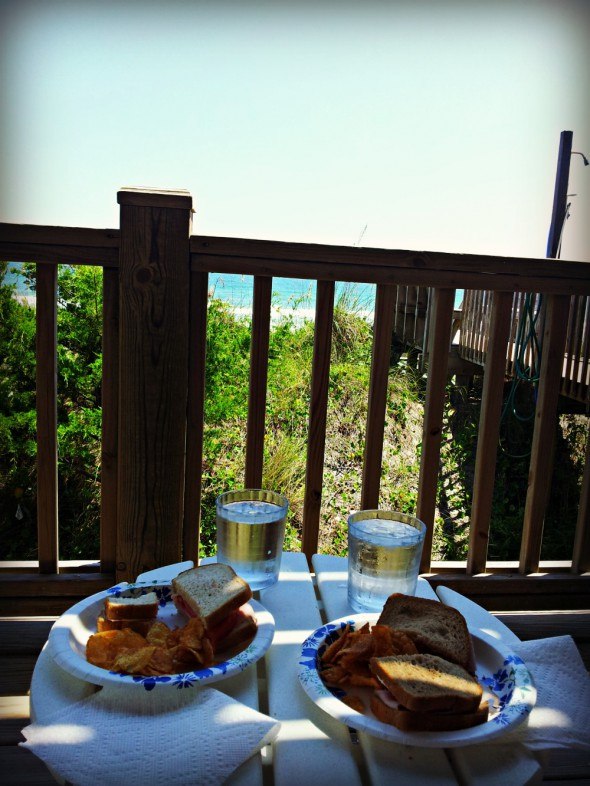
{"x":312,"y":748}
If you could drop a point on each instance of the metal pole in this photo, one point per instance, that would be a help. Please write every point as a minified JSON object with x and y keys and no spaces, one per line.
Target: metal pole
{"x":560,"y":195}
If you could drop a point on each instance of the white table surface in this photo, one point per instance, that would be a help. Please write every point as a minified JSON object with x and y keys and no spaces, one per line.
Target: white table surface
{"x":313,"y":748}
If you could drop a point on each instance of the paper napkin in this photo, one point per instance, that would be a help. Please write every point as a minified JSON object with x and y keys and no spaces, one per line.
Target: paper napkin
{"x":561,"y":715}
{"x":138,"y":738}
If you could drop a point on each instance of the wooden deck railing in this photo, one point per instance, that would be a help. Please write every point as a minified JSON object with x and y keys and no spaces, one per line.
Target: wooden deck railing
{"x":154,"y":339}
{"x":575,"y":371}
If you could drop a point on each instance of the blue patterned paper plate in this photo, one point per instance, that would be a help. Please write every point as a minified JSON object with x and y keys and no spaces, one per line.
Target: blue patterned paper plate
{"x":68,"y":637}
{"x":505,"y":678}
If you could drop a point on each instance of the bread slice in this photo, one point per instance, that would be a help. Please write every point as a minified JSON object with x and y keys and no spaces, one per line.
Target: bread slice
{"x":427,"y":683}
{"x":228,"y":642}
{"x":139,"y":626}
{"x":142,"y":608}
{"x":210,"y":591}
{"x":406,"y":720}
{"x":435,"y":628}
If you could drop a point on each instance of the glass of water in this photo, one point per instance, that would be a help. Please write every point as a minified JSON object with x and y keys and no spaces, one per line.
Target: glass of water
{"x":384,"y":550}
{"x":250,"y":534}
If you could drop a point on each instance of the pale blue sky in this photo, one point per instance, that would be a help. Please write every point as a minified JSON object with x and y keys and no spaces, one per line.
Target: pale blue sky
{"x":434,"y":124}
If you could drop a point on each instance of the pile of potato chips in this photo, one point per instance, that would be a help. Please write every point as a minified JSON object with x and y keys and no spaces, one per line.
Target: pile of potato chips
{"x":346,"y":660}
{"x":161,"y":651}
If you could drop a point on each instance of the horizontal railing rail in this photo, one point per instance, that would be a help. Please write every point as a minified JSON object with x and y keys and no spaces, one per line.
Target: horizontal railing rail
{"x":155,"y":294}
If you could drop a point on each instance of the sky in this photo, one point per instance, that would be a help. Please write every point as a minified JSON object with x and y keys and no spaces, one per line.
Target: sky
{"x":423,"y":125}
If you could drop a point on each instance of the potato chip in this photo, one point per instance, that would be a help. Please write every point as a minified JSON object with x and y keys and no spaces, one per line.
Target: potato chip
{"x":361,"y":681}
{"x":334,"y":675}
{"x":102,"y":648}
{"x":158,"y":634}
{"x":194,"y":630}
{"x":354,"y":666}
{"x":99,"y":651}
{"x":382,"y":639}
{"x":194,"y":638}
{"x":192,"y":634}
{"x":162,"y":651}
{"x":354,"y":702}
{"x":334,"y":648}
{"x":347,"y":658}
{"x":360,"y":648}
{"x":183,"y":657}
{"x":173,"y":636}
{"x":207,"y":653}
{"x":161,"y":662}
{"x":133,"y":661}
{"x":129,"y":639}
{"x":404,"y":643}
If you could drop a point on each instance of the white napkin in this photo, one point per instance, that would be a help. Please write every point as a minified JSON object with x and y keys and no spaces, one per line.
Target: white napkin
{"x":138,"y":738}
{"x":561,"y":715}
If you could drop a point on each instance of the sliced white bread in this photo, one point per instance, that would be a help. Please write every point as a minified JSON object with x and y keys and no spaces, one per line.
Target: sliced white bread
{"x":427,"y":683}
{"x":122,"y":608}
{"x":388,"y":711}
{"x":433,"y":627}
{"x":210,"y":591}
{"x":139,"y":626}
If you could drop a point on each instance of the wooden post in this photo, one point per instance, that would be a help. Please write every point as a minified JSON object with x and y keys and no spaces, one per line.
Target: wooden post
{"x":154,"y":266}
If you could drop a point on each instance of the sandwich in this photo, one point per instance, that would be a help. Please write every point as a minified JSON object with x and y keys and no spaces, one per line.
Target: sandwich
{"x":218,"y":596}
{"x":426,"y":693}
{"x":434,"y":628}
{"x":138,"y":614}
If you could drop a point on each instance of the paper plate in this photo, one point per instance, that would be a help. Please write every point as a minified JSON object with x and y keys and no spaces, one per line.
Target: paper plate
{"x":69,"y":634}
{"x":503,"y":675}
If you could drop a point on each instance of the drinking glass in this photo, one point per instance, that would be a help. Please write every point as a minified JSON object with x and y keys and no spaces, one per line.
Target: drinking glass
{"x":384,"y":550}
{"x":250,"y":534}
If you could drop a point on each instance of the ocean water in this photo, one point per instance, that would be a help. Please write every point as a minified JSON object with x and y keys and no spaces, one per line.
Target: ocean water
{"x":295,"y":294}
{"x":289,"y":295}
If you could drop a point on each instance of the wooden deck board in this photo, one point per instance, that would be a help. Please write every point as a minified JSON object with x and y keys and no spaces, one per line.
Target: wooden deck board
{"x":22,"y":768}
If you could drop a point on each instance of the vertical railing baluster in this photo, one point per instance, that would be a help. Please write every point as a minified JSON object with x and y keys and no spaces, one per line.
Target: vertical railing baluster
{"x":316,"y":433}
{"x":46,"y":351}
{"x":583,"y":388}
{"x":517,"y":301}
{"x":258,"y":379}
{"x":438,"y":359}
{"x":579,"y":305}
{"x":541,"y":464}
{"x":489,"y":428}
{"x":581,"y":551}
{"x":570,"y":354}
{"x":470,"y":326}
{"x":195,"y":415}
{"x":380,"y":362}
{"x":110,"y":420}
